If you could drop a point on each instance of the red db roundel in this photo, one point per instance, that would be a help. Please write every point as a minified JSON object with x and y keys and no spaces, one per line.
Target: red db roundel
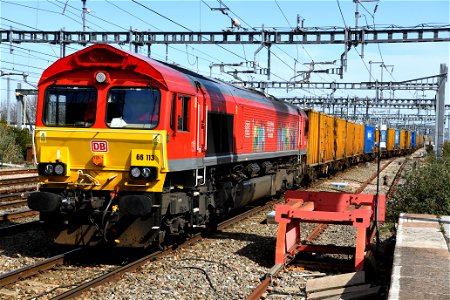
{"x":99,"y":146}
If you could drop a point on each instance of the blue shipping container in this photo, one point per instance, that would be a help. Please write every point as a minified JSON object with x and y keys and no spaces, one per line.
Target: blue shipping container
{"x":369,"y":139}
{"x":383,"y":137}
{"x":397,"y":139}
{"x":413,"y":139}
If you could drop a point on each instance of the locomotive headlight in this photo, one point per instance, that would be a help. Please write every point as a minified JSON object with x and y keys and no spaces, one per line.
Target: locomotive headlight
{"x":59,"y":169}
{"x":48,"y":169}
{"x":146,"y":172}
{"x":135,"y":172}
{"x":100,"y":77}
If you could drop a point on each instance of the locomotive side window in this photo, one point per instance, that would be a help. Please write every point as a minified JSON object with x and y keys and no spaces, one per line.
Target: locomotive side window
{"x":180,"y":112}
{"x":70,"y":106}
{"x":133,"y":108}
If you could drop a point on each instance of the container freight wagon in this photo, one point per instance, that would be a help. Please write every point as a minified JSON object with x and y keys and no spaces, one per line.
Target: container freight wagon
{"x":320,"y":138}
{"x":341,"y":137}
{"x":350,"y":147}
{"x":369,"y":140}
{"x":419,"y":140}
{"x":408,"y":142}
{"x":413,"y":141}
{"x":378,"y":136}
{"x":403,"y":141}
{"x":397,"y":141}
{"x":359,"y":141}
{"x":390,"y":141}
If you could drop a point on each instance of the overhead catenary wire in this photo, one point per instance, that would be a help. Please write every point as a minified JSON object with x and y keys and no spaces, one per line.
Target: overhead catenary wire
{"x":79,"y":10}
{"x":156,"y":28}
{"x":40,"y":9}
{"x":186,"y":28}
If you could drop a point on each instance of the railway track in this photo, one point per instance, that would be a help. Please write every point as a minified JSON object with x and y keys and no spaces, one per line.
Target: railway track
{"x":30,"y":270}
{"x":13,"y":204}
{"x":262,"y":288}
{"x":117,"y":272}
{"x":113,"y":274}
{"x":17,"y":215}
{"x":15,"y":184}
{"x":18,"y":228}
{"x":5,"y":172}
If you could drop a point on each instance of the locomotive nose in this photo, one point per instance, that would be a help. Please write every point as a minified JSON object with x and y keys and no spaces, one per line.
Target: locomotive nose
{"x":43,"y":201}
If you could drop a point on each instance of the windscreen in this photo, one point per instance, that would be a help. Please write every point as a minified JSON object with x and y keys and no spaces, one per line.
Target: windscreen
{"x":133,"y":108}
{"x":70,"y":106}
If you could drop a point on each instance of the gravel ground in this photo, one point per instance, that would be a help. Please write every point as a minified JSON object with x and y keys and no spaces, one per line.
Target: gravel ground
{"x":226,"y":266}
{"x":25,"y":248}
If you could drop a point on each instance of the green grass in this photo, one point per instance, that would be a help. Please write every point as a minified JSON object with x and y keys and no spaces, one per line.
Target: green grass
{"x":425,"y":191}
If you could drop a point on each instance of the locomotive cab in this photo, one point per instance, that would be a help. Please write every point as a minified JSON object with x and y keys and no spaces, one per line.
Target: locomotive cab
{"x":101,"y":159}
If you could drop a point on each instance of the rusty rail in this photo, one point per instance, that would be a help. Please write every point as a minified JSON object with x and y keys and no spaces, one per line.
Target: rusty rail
{"x":18,"y":215}
{"x":116,"y":273}
{"x":17,"y":228}
{"x":31,"y":270}
{"x":394,"y":184}
{"x":13,"y":204}
{"x":315,"y":233}
{"x":17,"y":171}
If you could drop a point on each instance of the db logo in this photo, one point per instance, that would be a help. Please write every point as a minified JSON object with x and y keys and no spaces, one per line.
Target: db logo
{"x":99,"y":146}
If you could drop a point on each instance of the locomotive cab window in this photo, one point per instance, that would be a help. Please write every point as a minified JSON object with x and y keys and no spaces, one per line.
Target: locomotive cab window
{"x":133,"y":108}
{"x":179,"y":118}
{"x":70,"y":106}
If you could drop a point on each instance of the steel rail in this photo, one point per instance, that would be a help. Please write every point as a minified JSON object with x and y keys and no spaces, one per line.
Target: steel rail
{"x":18,"y":215}
{"x":314,"y":234}
{"x":15,"y":196}
{"x":28,"y":271}
{"x":393,"y":186}
{"x":372,"y":177}
{"x":18,"y":228}
{"x":116,"y":273}
{"x":17,"y":171}
{"x":13,"y":204}
{"x":18,"y":180}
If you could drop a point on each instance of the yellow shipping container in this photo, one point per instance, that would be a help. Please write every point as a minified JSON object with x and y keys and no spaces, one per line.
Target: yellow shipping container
{"x":320,"y":137}
{"x":419,"y":140}
{"x":313,"y":137}
{"x":402,"y":139}
{"x":390,"y":139}
{"x":350,"y":140}
{"x":377,"y":140}
{"x":408,"y":139}
{"x":341,"y":135}
{"x":359,"y":139}
{"x":326,"y":138}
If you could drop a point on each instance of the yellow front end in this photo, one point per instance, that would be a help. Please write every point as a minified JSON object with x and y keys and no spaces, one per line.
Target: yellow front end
{"x":102,"y":159}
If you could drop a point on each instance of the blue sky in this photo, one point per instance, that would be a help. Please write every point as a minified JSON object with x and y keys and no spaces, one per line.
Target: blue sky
{"x":409,"y":61}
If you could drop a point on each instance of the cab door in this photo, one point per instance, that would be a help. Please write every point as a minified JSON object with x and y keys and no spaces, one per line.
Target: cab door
{"x":201,"y":121}
{"x":182,"y":122}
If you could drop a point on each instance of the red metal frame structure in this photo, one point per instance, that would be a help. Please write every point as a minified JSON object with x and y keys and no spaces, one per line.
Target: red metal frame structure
{"x":326,"y":208}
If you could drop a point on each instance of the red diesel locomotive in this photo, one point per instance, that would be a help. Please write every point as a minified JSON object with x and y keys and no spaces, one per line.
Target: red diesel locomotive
{"x":130,"y":149}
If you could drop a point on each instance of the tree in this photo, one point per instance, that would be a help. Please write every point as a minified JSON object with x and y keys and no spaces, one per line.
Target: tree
{"x":10,"y":151}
